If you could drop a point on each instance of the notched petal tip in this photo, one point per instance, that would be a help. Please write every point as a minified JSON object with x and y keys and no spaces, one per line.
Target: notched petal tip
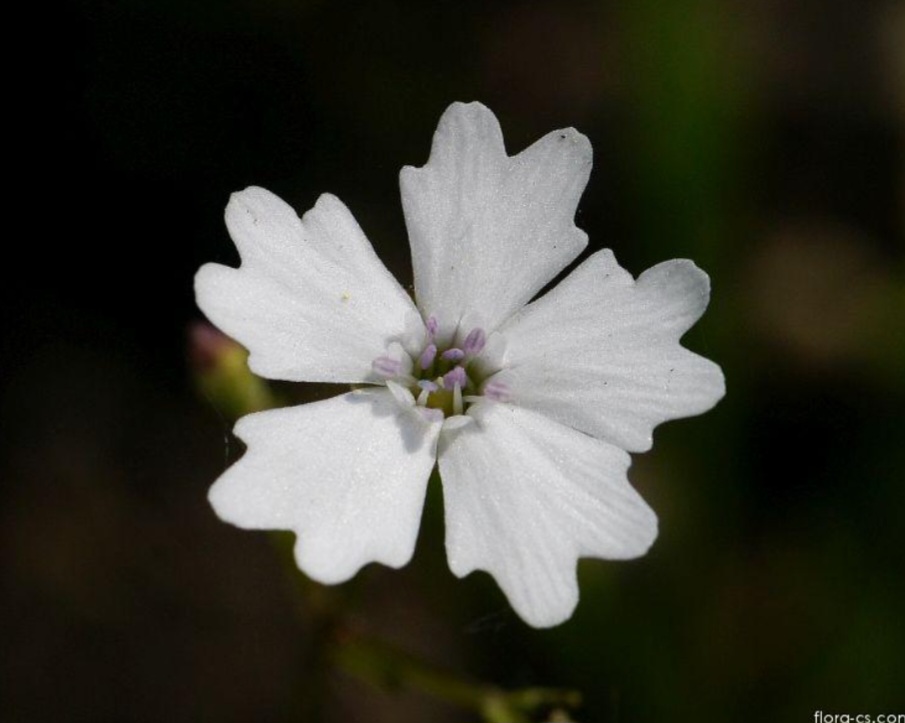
{"x":251,"y":195}
{"x":639,"y":540}
{"x":257,"y":219}
{"x":246,"y":427}
{"x":468,"y":106}
{"x":564,"y":153}
{"x":541,"y":610}
{"x":676,"y":278}
{"x":220,"y":500}
{"x":205,"y":281}
{"x":550,"y":618}
{"x":715,"y":384}
{"x":254,"y":202}
{"x":347,"y":508}
{"x":719,"y":383}
{"x":461,"y":123}
{"x":538,"y":614}
{"x":321,"y":565}
{"x":327,"y":203}
{"x":572,"y":142}
{"x":469,"y":123}
{"x":488,"y":230}
{"x":472,"y":111}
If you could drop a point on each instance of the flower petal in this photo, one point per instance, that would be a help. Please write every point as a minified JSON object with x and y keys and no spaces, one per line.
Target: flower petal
{"x":488,"y":231}
{"x":311,"y":300}
{"x":601,"y":352}
{"x":526,"y":497}
{"x":347,"y":475}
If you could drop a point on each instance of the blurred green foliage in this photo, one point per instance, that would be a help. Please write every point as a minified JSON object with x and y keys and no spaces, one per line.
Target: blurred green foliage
{"x":763,"y":140}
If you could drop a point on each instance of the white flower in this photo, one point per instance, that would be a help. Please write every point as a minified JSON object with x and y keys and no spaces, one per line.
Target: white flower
{"x":529,"y":409}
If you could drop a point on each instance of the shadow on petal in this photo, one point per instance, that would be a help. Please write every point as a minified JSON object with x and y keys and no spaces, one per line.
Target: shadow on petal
{"x":414,"y":429}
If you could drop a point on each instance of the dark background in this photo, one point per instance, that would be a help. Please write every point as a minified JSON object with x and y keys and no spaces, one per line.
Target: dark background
{"x":761,"y":139}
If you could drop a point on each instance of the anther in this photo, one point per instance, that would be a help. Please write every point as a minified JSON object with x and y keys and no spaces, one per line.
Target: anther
{"x":453,"y":355}
{"x":474,"y":342}
{"x":496,"y":390}
{"x":454,"y":377}
{"x":432,"y":325}
{"x":428,"y":356}
{"x":386,"y":367}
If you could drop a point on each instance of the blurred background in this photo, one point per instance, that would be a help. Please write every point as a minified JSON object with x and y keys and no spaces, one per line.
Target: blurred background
{"x":763,"y":139}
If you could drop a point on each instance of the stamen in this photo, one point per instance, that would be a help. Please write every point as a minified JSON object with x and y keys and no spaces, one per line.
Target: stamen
{"x":436,"y":382}
{"x":427,"y":388}
{"x":474,"y":342}
{"x":433,"y":326}
{"x":497,"y":390}
{"x":386,"y":367}
{"x":401,"y":394}
{"x":457,"y":399}
{"x":428,"y":356}
{"x":454,"y":377}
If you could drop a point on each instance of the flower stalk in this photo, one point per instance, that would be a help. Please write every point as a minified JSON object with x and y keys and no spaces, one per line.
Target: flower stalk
{"x":389,"y":668}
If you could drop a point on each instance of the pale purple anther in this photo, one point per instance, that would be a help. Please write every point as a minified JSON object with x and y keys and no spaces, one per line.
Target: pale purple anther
{"x":453,"y":355}
{"x":428,"y":385}
{"x":496,"y":390}
{"x":428,"y":355}
{"x":474,"y":342}
{"x":453,"y":377}
{"x":386,"y":367}
{"x":433,"y":326}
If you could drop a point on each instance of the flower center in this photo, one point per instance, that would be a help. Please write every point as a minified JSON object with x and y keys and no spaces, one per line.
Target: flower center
{"x":443,"y":381}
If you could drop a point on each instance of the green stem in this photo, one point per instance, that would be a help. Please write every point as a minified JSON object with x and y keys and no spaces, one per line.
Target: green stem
{"x":388,"y":668}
